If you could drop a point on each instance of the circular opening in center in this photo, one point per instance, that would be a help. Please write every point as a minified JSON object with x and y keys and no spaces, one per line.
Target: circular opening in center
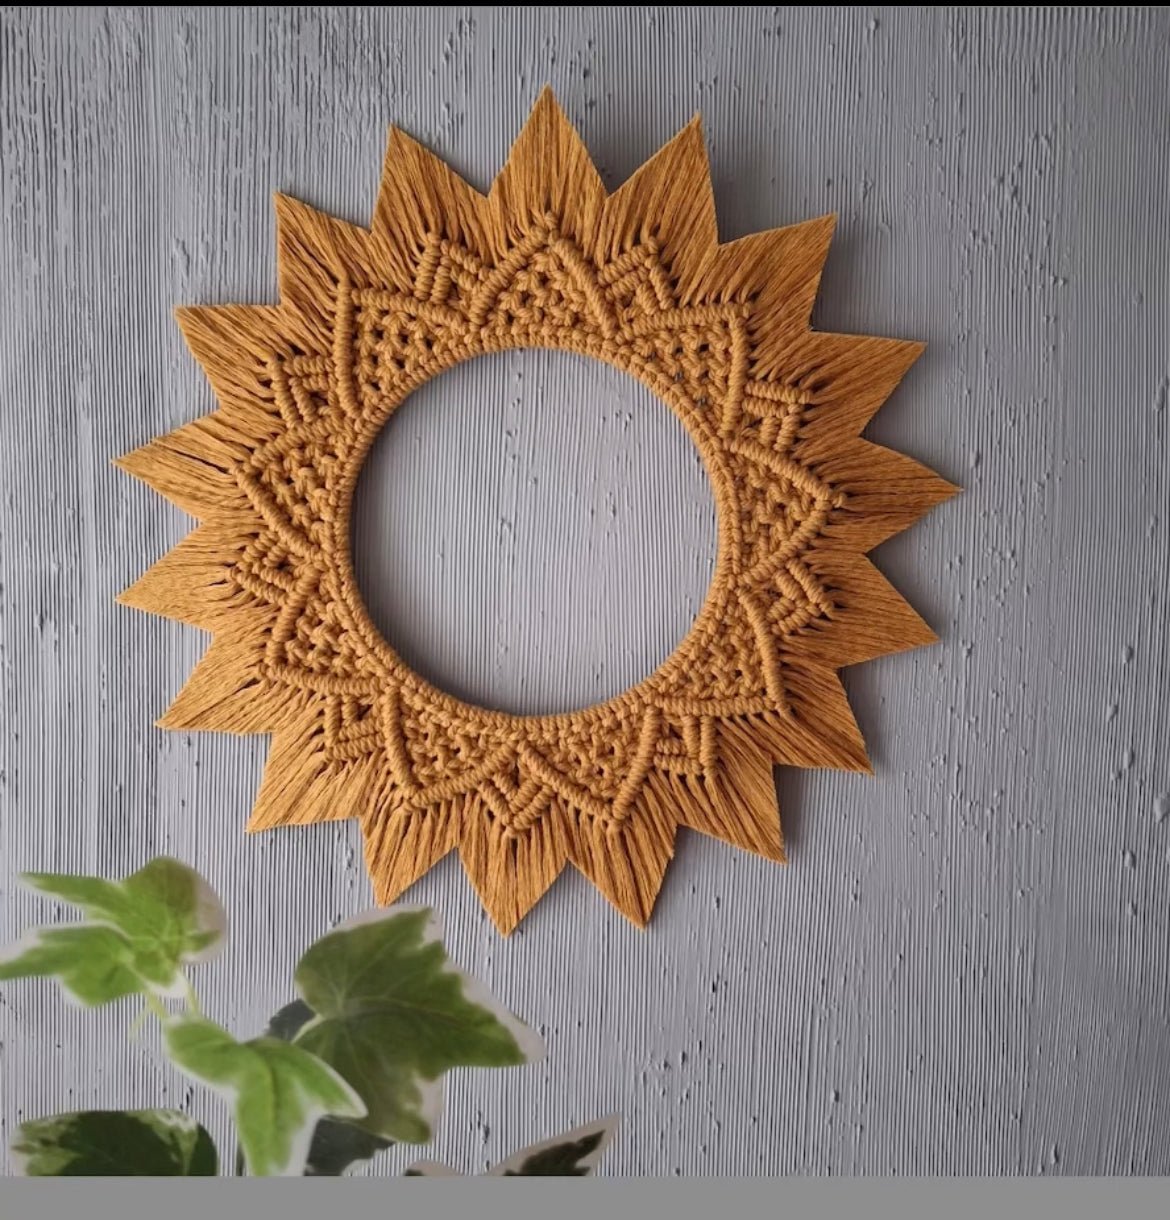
{"x":534,"y":531}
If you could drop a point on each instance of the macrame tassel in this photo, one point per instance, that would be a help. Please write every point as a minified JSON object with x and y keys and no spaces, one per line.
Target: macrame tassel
{"x":626,"y":858}
{"x":510,"y":869}
{"x":403,"y":842}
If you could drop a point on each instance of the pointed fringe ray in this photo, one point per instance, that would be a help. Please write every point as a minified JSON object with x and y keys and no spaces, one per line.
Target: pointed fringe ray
{"x":301,"y":785}
{"x":626,"y":859}
{"x":421,"y":197}
{"x":315,"y":252}
{"x":228,"y":692}
{"x":777,"y":272}
{"x":736,"y":802}
{"x":510,"y":869}
{"x":192,"y":466}
{"x":236,"y":346}
{"x":402,"y":843}
{"x":670,"y":202}
{"x":885,"y":493}
{"x":847,"y":376}
{"x":817,"y":729}
{"x":549,"y":170}
{"x":871,"y":618}
{"x":547,"y":258}
{"x":192,"y":582}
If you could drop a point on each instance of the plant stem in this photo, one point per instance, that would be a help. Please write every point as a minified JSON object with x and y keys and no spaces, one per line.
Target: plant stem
{"x":157,"y":1007}
{"x":138,"y":1022}
{"x":192,"y":998}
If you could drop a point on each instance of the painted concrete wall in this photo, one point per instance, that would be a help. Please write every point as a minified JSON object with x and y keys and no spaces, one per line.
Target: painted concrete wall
{"x":964,"y":969}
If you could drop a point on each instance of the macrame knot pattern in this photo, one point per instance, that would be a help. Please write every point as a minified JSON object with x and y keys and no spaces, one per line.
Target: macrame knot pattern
{"x":547,"y":259}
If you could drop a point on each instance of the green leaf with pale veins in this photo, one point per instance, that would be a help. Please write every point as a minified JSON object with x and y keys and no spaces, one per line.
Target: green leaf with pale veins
{"x":139,"y":933}
{"x":115,"y":1143}
{"x":337,"y":1143}
{"x":278,"y":1090}
{"x":93,"y":965}
{"x":289,"y":1021}
{"x":165,"y":910}
{"x":394,"y":1014}
{"x":572,"y":1155}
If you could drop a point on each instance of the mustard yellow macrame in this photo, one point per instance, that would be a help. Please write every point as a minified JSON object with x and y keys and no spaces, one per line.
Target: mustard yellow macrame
{"x":546,"y":259}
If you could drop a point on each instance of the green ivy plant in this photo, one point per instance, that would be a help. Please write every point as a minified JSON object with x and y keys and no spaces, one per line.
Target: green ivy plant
{"x":572,"y":1155}
{"x":350,"y":1067}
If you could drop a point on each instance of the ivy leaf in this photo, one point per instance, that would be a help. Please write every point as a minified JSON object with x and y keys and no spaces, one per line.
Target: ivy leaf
{"x":140,"y":931}
{"x":572,"y":1155}
{"x":278,"y":1091}
{"x":289,"y":1020}
{"x":337,"y":1144}
{"x":431,"y":1169}
{"x":92,"y":964}
{"x":115,"y":1143}
{"x":165,"y":909}
{"x":393,"y":1014}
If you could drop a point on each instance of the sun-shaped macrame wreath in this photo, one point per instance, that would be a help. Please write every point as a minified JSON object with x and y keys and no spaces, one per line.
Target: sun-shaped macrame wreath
{"x":547,"y":258}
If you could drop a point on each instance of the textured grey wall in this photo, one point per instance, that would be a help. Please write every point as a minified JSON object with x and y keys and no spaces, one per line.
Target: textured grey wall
{"x":534,"y":532}
{"x":965,"y":967}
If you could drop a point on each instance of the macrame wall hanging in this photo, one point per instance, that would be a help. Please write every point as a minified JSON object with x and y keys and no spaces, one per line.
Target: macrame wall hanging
{"x":547,"y":258}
